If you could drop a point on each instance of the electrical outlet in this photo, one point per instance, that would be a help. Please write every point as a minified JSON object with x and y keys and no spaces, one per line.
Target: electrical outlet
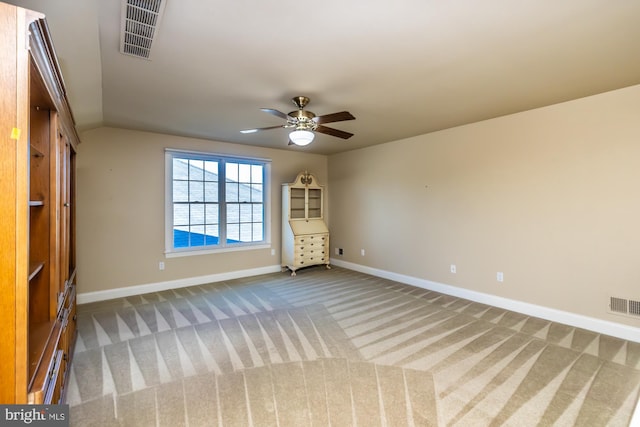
{"x":273,"y":252}
{"x":340,"y":251}
{"x":362,"y":252}
{"x":500,"y":276}
{"x":161,"y":265}
{"x":453,"y":268}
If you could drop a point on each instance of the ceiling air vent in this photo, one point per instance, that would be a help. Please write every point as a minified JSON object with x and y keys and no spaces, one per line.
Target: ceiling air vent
{"x":140,"y":20}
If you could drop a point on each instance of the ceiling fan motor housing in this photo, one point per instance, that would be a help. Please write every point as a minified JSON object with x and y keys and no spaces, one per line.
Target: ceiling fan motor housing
{"x":303,"y":119}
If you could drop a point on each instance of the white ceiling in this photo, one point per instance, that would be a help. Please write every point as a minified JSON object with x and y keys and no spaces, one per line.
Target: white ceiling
{"x":401,"y":67}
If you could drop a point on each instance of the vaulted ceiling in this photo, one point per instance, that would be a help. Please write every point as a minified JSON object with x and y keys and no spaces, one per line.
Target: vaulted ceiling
{"x":402,"y":67}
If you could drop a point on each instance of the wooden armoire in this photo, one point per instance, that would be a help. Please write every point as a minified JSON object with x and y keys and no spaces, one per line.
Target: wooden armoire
{"x":38,"y":142}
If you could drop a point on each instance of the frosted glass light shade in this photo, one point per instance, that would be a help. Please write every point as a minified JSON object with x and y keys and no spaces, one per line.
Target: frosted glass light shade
{"x":301,"y":137}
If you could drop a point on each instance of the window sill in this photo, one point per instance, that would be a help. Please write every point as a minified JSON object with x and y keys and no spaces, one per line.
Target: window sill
{"x":209,"y":251}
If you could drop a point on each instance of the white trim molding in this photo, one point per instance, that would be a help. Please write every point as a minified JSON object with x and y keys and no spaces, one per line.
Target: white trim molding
{"x":87,"y":297}
{"x":635,"y":419}
{"x":626,"y":332}
{"x":572,"y":319}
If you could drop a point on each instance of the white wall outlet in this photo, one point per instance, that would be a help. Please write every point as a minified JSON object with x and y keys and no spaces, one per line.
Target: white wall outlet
{"x":452,"y":268}
{"x":161,"y":265}
{"x":273,"y":252}
{"x":362,"y":252}
{"x":500,"y":276}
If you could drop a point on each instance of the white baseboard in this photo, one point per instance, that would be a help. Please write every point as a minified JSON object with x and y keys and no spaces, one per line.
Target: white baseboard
{"x":635,"y":419}
{"x":579,"y":321}
{"x":128,"y":291}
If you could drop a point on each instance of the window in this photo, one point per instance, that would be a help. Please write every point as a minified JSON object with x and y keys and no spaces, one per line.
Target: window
{"x":215,"y":202}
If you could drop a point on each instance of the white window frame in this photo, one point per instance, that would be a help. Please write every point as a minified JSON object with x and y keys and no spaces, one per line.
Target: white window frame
{"x":170,"y":251}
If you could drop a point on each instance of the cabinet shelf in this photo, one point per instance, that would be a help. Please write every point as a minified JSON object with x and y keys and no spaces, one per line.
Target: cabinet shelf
{"x":35,"y":152}
{"x":34,"y":269}
{"x":38,"y":338}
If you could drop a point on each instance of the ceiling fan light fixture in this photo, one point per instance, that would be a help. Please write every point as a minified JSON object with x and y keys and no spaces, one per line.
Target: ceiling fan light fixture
{"x":301,"y":137}
{"x":304,"y":123}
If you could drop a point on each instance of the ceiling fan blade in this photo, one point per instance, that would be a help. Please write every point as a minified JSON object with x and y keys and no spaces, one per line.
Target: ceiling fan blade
{"x":333,"y":132}
{"x":275,"y":113}
{"x":335,"y":117}
{"x":259,"y":129}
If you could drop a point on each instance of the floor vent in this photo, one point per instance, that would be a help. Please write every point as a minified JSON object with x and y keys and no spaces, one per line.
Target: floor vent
{"x":624,"y":306}
{"x":139,"y":26}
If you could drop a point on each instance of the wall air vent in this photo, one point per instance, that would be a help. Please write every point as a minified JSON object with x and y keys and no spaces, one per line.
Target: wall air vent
{"x":634,"y":308}
{"x":139,"y":26}
{"x":624,"y":306}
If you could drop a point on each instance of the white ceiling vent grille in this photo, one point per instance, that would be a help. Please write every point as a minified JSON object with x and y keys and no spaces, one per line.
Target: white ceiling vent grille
{"x":140,"y":20}
{"x":624,"y":306}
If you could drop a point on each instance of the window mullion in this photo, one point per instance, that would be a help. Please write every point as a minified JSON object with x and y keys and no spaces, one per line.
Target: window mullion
{"x":222,"y":201}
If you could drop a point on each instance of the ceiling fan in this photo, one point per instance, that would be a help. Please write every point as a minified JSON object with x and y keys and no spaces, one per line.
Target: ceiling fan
{"x":304,"y":123}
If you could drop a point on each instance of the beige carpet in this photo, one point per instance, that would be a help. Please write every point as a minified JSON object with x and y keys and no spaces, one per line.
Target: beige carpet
{"x":339,"y":348}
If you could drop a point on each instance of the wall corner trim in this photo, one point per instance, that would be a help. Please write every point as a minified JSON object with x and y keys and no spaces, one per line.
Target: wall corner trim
{"x":617,"y":330}
{"x":87,"y":297}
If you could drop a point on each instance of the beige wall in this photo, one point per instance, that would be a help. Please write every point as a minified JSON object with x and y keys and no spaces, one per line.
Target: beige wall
{"x":120,"y":208}
{"x":550,"y":197}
